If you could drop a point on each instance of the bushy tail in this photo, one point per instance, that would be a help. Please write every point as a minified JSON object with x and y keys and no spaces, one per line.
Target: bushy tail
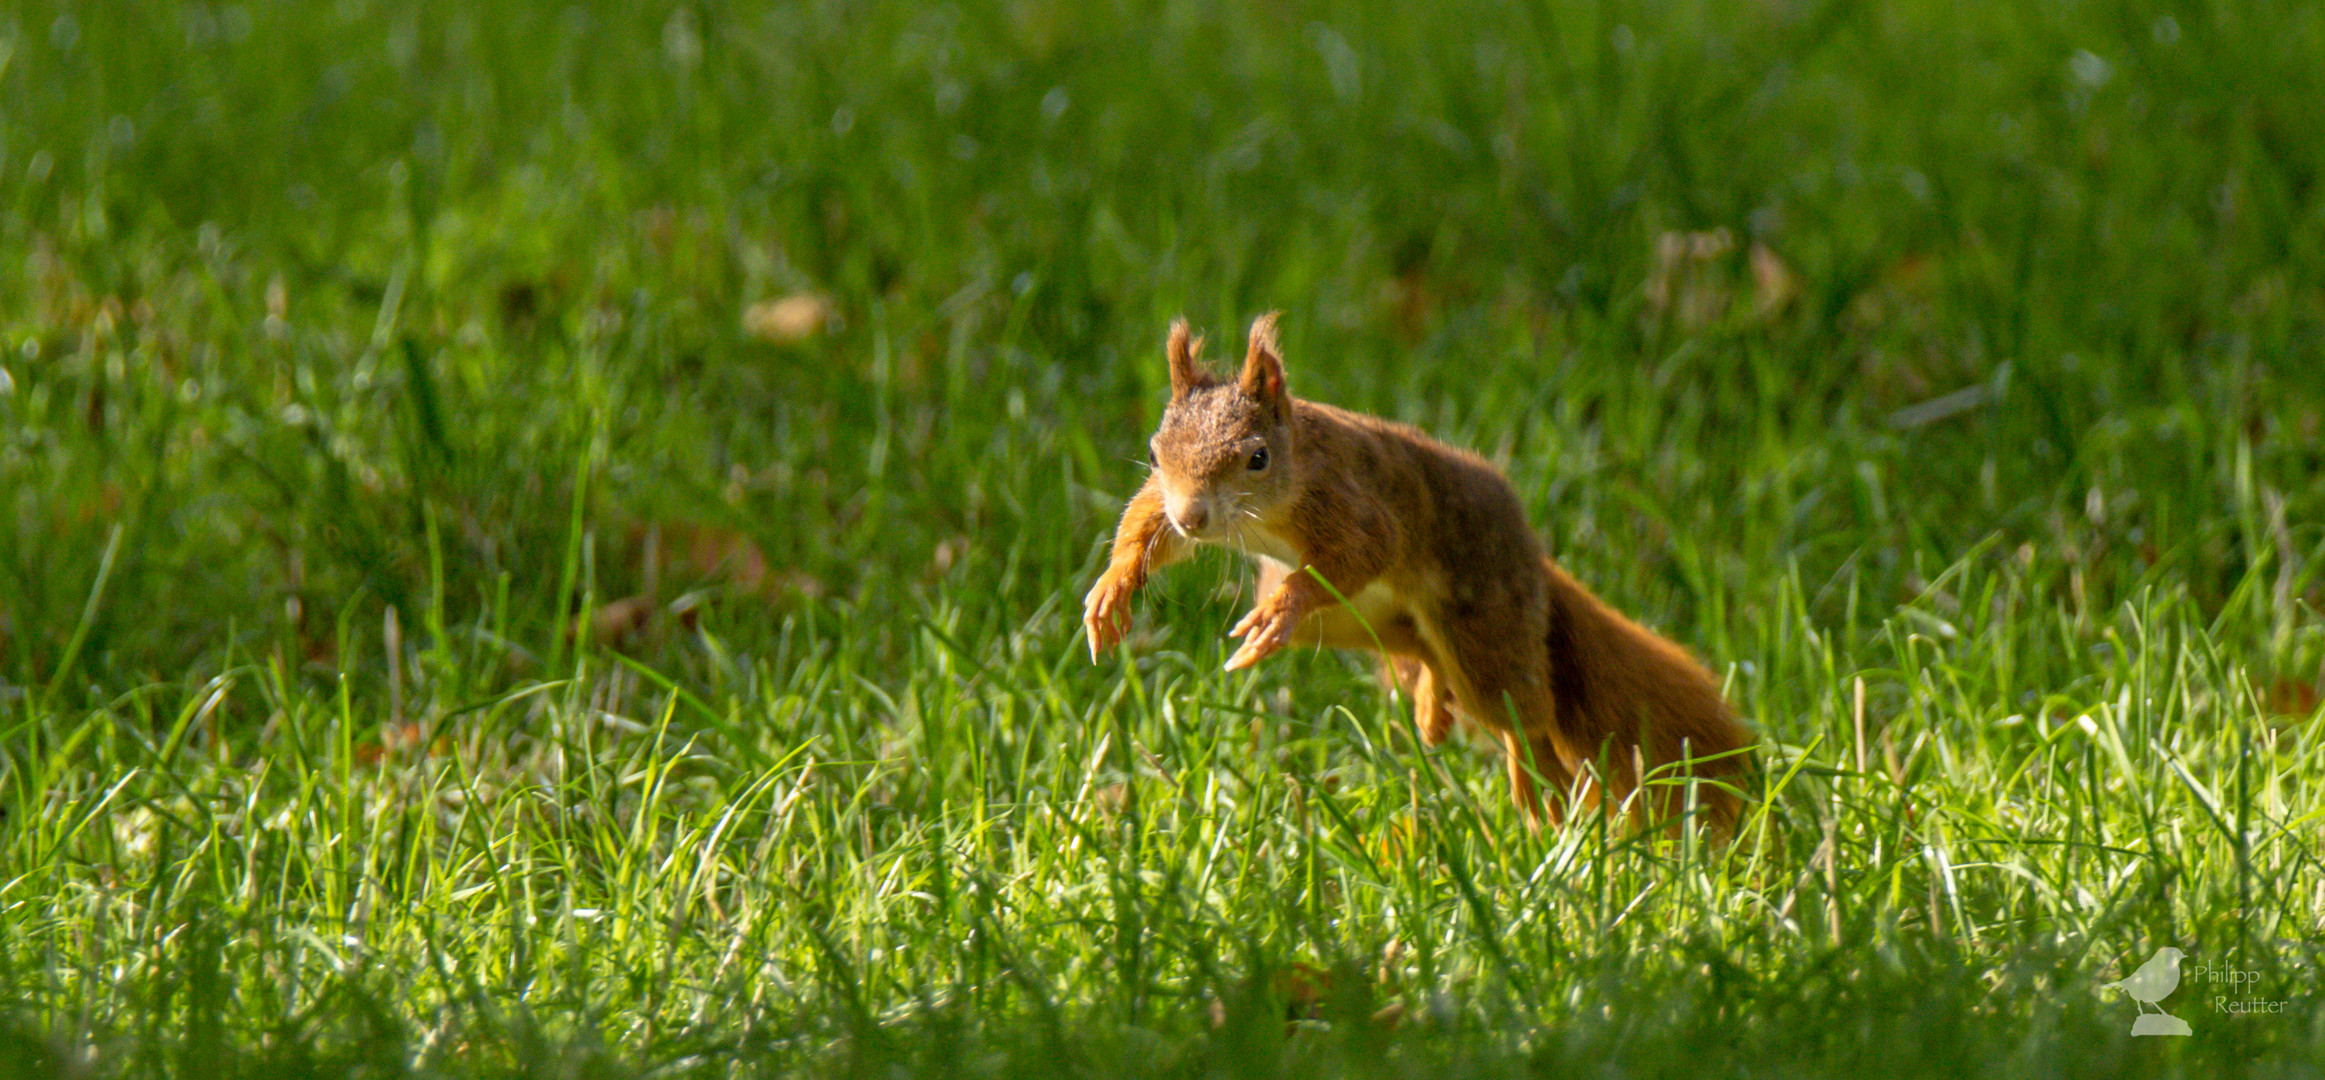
{"x":1628,"y":697}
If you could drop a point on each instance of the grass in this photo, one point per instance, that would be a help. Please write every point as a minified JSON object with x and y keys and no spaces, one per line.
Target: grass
{"x":442,"y":633}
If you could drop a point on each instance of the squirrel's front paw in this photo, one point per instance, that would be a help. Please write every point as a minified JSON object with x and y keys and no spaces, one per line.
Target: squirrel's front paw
{"x":1267,"y":629}
{"x":1106,"y":611}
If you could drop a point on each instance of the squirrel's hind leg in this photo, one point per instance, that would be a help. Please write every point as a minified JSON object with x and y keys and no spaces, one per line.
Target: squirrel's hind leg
{"x":1532,"y":757}
{"x":1432,"y":701}
{"x":1487,"y":652}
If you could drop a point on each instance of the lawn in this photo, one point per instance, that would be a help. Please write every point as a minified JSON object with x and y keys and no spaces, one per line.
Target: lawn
{"x":548,"y":540}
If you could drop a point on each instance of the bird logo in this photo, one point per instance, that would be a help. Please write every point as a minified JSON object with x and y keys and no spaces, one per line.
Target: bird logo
{"x":2153,"y":982}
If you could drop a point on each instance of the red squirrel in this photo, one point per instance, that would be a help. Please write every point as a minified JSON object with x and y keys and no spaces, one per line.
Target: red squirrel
{"x":1371,"y":535}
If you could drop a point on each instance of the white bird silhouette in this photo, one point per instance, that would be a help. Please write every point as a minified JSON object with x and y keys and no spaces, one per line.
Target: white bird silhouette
{"x":2154,"y":981}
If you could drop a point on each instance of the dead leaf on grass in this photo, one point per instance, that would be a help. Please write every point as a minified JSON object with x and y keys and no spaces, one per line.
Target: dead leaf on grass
{"x":620,"y":622}
{"x":790,"y":319}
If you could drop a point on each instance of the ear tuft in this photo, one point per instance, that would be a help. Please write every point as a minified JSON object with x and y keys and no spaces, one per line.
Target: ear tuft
{"x":1187,"y":372}
{"x":1263,"y":365}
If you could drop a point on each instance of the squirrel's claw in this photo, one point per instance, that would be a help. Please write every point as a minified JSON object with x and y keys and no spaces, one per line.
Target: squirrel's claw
{"x":1267,"y":629}
{"x":1257,"y":649}
{"x":1243,"y":626}
{"x":1106,"y":615}
{"x":1101,"y":632}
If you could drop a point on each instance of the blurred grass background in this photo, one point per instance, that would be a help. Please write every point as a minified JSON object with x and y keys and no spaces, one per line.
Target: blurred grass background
{"x":384,"y":360}
{"x":293,"y":282}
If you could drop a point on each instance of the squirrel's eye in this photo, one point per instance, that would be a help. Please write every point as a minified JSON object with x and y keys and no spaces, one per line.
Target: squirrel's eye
{"x":1259,"y":459}
{"x":1151,"y":457}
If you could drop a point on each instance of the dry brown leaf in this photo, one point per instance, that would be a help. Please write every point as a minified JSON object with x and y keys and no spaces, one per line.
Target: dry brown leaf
{"x":1774,"y":284}
{"x":619,"y":622}
{"x":1690,"y":282}
{"x":689,"y":554}
{"x":2290,"y":697}
{"x":789,"y":319}
{"x":1302,"y":988}
{"x":949,"y":552}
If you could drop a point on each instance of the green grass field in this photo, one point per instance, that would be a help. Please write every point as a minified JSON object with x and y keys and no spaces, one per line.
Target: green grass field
{"x":548,"y":541}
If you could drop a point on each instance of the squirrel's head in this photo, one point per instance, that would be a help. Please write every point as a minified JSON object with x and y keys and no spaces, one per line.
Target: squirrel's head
{"x":1223,"y":452}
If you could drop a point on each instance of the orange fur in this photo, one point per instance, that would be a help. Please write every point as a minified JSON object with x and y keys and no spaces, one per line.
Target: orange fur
{"x":1371,"y":535}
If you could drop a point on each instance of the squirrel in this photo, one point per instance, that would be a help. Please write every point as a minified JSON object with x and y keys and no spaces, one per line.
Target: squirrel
{"x":1371,"y":535}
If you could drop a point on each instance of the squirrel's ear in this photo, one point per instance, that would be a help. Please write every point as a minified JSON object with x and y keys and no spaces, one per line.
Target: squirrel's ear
{"x":1263,"y":365}
{"x":1186,"y":373}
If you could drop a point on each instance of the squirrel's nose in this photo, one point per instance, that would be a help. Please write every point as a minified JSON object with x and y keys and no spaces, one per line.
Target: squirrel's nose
{"x":1191,"y":516}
